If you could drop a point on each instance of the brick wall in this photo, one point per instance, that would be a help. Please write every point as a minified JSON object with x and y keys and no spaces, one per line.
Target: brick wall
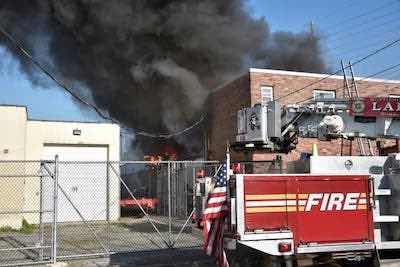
{"x":225,"y":102}
{"x":245,"y":91}
{"x":285,"y":84}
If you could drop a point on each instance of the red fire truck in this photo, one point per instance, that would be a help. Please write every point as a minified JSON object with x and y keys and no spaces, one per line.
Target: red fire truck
{"x":344,"y":207}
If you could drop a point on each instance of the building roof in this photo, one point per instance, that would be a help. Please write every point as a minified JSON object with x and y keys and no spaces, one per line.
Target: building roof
{"x":318,"y":75}
{"x":301,"y":74}
{"x":56,"y":121}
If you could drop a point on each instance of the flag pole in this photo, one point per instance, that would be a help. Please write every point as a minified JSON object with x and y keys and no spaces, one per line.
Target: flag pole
{"x":228,"y":160}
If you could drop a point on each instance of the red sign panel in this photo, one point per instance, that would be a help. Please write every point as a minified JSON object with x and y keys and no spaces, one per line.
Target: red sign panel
{"x":375,"y":107}
{"x":316,"y":208}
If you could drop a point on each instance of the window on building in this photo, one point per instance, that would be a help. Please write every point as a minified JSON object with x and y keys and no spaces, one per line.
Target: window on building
{"x":324,"y":94}
{"x":267,"y":94}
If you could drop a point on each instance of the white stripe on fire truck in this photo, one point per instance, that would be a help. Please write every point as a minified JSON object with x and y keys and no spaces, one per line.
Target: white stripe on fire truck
{"x":271,"y":197}
{"x":271,"y":203}
{"x":270,"y":209}
{"x":302,"y":202}
{"x":362,"y":201}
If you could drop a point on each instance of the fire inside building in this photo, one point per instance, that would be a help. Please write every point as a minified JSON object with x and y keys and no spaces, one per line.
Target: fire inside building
{"x":259,"y":86}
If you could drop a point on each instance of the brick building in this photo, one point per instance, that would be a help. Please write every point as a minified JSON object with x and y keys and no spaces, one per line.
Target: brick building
{"x":262,"y":85}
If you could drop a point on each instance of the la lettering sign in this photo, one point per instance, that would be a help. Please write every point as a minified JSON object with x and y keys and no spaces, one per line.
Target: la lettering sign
{"x":375,"y":107}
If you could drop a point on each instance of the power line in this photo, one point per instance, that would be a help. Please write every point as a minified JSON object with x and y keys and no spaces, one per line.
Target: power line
{"x":360,"y":48}
{"x":362,"y":14}
{"x":350,"y":35}
{"x":167,"y":136}
{"x":365,"y":22}
{"x":362,"y":79}
{"x":333,"y":12}
{"x":36,"y":63}
{"x":45,"y":71}
{"x":339,"y":70}
{"x":372,"y":75}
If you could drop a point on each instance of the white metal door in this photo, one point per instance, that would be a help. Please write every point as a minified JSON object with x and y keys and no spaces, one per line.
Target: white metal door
{"x":85,"y":183}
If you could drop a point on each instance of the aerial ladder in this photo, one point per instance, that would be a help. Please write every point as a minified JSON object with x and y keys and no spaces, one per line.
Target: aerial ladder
{"x":350,"y":91}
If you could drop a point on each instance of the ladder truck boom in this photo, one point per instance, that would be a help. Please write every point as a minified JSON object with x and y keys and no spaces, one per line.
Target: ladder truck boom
{"x":275,"y":128}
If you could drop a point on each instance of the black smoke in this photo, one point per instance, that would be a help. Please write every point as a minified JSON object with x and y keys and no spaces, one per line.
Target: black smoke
{"x":151,"y":63}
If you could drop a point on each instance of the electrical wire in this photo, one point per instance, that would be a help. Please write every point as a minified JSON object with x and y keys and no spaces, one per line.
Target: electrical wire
{"x":371,"y":76}
{"x":339,"y":70}
{"x":361,"y":48}
{"x":167,"y":136}
{"x":348,"y":42}
{"x":363,"y":14}
{"x":364,"y":23}
{"x":363,"y":79}
{"x":37,"y":64}
{"x":337,"y":10}
{"x":25,"y":53}
{"x":350,"y":36}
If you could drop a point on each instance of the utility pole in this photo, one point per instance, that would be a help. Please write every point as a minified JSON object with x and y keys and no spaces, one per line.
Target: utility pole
{"x":312,"y":29}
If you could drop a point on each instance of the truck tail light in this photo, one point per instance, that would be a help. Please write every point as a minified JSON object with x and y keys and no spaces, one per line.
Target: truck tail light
{"x":284,"y":247}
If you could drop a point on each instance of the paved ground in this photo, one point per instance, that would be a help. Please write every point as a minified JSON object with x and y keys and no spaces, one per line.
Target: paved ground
{"x":135,"y":235}
{"x":162,"y":258}
{"x":146,"y":247}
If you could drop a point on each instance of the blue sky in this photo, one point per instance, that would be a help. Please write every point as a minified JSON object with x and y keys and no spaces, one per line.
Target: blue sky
{"x":350,"y":30}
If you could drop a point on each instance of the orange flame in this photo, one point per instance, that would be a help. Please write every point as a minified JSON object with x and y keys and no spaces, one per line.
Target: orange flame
{"x":153,"y":160}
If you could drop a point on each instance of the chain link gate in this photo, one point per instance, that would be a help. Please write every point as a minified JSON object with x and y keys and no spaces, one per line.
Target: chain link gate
{"x":53,"y":210}
{"x":24,"y":236}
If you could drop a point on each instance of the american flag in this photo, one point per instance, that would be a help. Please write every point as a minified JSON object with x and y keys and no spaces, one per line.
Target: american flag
{"x":214,"y":218}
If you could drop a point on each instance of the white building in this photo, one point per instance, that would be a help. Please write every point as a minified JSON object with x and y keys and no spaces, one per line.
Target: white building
{"x":22,"y":139}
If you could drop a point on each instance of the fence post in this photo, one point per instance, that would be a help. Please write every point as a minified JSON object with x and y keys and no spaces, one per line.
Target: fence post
{"x":55,"y":211}
{"x":194,"y":189}
{"x":41,"y":207}
{"x":169,"y":205}
{"x":108,"y":205}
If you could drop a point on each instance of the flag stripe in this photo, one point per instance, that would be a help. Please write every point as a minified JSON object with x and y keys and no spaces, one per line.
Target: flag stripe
{"x":217,"y":199}
{"x":214,"y":218}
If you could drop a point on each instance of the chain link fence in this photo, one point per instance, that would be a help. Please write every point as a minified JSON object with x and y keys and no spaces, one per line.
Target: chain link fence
{"x":25,"y":236}
{"x":52,"y":210}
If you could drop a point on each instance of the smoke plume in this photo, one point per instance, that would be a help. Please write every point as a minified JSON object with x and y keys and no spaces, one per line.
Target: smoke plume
{"x":151,"y":63}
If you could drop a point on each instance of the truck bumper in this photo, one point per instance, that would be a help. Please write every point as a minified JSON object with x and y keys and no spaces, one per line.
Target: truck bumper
{"x":335,"y":247}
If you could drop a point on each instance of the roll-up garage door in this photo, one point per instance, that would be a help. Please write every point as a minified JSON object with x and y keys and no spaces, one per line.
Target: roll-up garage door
{"x":85,"y":183}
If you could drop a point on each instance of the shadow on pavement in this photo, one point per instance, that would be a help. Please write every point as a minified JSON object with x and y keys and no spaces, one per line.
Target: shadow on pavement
{"x":163,"y":258}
